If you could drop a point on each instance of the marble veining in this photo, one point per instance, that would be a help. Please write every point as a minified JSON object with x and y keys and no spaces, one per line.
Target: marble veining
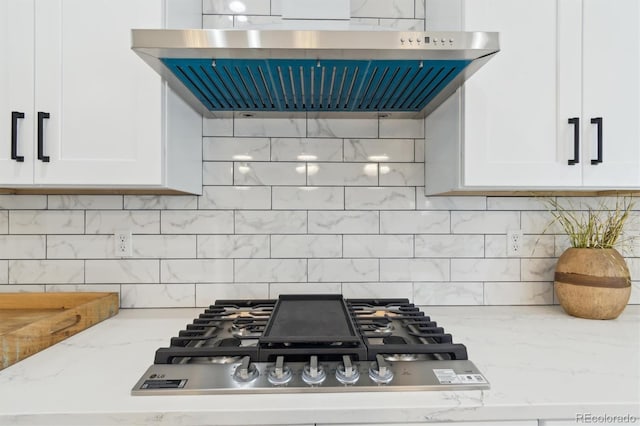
{"x":573,"y":356}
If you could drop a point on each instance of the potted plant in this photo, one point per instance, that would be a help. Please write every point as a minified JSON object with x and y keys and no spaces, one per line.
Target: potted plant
{"x":591,"y":278}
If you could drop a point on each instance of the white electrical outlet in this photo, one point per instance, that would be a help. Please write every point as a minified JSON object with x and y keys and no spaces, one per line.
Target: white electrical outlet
{"x":514,"y":243}
{"x":123,"y":243}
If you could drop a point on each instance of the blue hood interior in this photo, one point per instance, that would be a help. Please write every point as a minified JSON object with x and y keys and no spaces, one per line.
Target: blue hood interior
{"x":294,"y":85}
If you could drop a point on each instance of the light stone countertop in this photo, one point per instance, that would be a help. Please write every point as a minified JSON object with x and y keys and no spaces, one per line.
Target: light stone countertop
{"x":542,"y":364}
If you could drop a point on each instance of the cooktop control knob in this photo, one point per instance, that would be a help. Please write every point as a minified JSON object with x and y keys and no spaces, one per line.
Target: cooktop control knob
{"x":313,"y":374}
{"x":245,"y":372}
{"x":280,"y":374}
{"x":379,"y":371}
{"x":346,"y":373}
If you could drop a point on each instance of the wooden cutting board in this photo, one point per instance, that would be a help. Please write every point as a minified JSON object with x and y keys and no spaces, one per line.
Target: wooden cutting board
{"x":31,"y":322}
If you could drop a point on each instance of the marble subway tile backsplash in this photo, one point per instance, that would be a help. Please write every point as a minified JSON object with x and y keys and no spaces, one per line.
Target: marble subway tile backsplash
{"x":294,"y":205}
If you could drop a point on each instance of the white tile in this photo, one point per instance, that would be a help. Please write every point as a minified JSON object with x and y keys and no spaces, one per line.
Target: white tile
{"x":25,"y":288}
{"x":233,"y":246}
{"x":270,"y":222}
{"x":561,"y":244}
{"x":197,"y":222}
{"x":160,"y":202}
{"x":22,"y":202}
{"x":122,"y":271}
{"x":371,"y":22}
{"x":402,"y":128}
{"x":450,"y":203}
{"x":591,"y":203}
{"x":484,"y":222}
{"x":419,"y":156}
{"x":374,"y":198}
{"x":276,"y":289}
{"x":301,"y":149}
{"x":254,"y":21}
{"x":4,"y":222}
{"x":414,"y":269}
{"x":217,"y":126}
{"x":272,"y":127}
{"x":342,"y":270}
{"x":402,"y":25}
{"x":235,"y":197}
{"x":485,"y":270}
{"x":213,"y":22}
{"x":306,"y":246}
{"x":344,"y":174}
{"x":344,"y":222}
{"x":217,"y":173}
{"x":46,"y":271}
{"x":448,"y":293}
{"x":270,"y":270}
{"x":276,"y":7}
{"x":108,"y":221}
{"x":378,"y":245}
{"x":80,"y":247}
{"x":518,"y":293}
{"x":377,"y":290}
{"x":22,"y":246}
{"x":532,"y":246}
{"x":538,"y":269}
{"x":235,"y":149}
{"x":256,"y":173}
{"x":4,"y":273}
{"x":382,"y":8}
{"x":308,"y":197}
{"x":516,"y":203}
{"x":635,"y":293}
{"x":419,"y":9}
{"x":158,"y":295}
{"x":89,"y":202}
{"x":539,"y":222}
{"x":164,"y":246}
{"x":450,"y":245}
{"x":216,"y":7}
{"x":207,"y":294}
{"x":634,"y":267}
{"x":196,"y":270}
{"x":379,"y":150}
{"x":45,"y":222}
{"x":67,"y":288}
{"x":414,"y":222}
{"x":343,"y":127}
{"x":402,"y":174}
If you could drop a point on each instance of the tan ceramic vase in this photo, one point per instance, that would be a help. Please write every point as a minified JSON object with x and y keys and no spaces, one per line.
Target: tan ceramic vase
{"x":592,"y":283}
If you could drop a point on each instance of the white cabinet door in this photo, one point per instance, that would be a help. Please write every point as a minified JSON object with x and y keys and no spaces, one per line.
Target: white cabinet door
{"x":16,"y":91}
{"x":104,"y":124}
{"x":611,"y":73}
{"x":510,"y":111}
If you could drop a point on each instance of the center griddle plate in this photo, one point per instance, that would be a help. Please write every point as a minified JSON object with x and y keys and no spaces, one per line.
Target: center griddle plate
{"x":310,"y":319}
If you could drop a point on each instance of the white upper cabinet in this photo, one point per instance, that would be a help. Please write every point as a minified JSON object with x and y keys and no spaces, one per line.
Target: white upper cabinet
{"x":510,"y":113}
{"x":523,"y":121}
{"x":16,"y":91}
{"x":99,"y":116}
{"x":611,"y":91}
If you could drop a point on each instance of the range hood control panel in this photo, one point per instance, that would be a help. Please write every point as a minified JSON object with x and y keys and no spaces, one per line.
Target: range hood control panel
{"x":426,"y":40}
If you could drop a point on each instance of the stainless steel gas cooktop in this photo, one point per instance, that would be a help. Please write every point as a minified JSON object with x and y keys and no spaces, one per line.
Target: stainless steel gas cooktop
{"x":310,"y":343}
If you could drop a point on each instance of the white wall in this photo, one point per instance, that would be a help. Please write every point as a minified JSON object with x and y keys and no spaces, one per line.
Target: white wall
{"x":290,"y":206}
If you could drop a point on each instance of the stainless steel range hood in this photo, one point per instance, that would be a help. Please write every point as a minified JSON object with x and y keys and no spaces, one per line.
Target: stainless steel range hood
{"x":324,"y":72}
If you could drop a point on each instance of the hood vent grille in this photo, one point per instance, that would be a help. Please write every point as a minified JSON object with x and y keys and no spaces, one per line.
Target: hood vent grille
{"x":314,"y":85}
{"x":325,"y":73}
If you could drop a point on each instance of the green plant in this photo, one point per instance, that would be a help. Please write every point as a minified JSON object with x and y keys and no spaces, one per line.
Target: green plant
{"x":599,"y":228}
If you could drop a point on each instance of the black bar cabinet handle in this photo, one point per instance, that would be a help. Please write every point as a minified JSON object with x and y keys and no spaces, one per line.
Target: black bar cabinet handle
{"x":598,"y":121}
{"x":576,"y":141}
{"x":41,"y":117}
{"x":15,"y":116}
